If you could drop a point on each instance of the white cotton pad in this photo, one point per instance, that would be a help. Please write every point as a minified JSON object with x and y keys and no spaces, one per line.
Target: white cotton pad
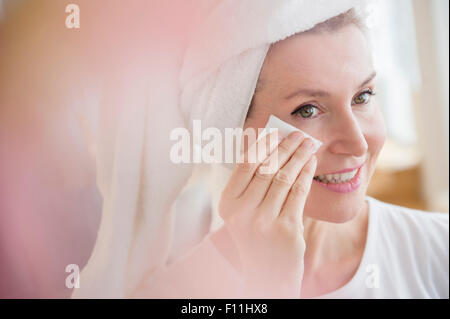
{"x":284,"y":129}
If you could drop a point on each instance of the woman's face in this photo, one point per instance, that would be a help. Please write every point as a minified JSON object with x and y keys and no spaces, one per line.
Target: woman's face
{"x":323,"y":83}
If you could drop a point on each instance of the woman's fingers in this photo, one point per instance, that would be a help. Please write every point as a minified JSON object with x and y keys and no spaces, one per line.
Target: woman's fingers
{"x":245,"y":169}
{"x":285,"y":179}
{"x":295,"y":202}
{"x":264,"y":174}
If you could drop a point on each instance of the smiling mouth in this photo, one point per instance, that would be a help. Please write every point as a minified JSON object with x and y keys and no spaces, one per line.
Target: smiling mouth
{"x":337,"y":178}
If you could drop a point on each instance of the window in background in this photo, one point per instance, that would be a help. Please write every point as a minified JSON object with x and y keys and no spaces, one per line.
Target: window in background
{"x":410,"y":53}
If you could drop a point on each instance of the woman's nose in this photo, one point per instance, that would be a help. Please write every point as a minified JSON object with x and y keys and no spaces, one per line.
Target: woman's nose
{"x":347,"y":136}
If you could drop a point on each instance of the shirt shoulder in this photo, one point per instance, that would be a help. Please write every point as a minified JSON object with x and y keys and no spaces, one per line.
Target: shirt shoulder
{"x":405,"y":222}
{"x":415,"y":242}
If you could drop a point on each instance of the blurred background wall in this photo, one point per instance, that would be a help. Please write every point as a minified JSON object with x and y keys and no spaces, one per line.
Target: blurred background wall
{"x":411,"y":45}
{"x":49,"y":203}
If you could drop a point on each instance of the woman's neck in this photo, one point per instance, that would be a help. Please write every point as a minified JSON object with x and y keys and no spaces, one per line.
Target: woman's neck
{"x":333,"y":252}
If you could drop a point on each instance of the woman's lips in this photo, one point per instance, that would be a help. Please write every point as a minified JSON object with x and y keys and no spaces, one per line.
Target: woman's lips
{"x":345,"y":187}
{"x":345,"y":170}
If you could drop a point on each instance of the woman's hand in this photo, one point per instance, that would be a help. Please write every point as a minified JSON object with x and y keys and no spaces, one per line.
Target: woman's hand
{"x":263,"y":214}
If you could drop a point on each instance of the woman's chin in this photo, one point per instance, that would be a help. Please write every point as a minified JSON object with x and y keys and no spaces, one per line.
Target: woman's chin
{"x":333,"y":211}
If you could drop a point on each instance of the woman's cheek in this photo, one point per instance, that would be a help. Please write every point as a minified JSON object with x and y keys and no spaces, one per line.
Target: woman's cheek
{"x":377,"y":129}
{"x":375,"y":134}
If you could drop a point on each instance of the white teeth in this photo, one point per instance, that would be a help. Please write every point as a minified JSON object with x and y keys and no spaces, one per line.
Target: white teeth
{"x":336,"y":178}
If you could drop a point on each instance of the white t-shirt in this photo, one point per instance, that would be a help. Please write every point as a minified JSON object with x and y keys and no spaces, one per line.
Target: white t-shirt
{"x":406,"y":255}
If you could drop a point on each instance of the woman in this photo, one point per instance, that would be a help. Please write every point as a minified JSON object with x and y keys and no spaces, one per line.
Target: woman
{"x":308,"y":229}
{"x":325,"y":88}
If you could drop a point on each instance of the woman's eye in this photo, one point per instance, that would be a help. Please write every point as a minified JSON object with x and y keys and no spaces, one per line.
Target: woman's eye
{"x":306,"y":111}
{"x":363,"y":98}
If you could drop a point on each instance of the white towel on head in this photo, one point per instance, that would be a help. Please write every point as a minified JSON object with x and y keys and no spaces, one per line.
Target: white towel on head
{"x":218,"y":77}
{"x":223,"y":61}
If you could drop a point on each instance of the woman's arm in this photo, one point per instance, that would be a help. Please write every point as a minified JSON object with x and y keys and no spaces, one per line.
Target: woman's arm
{"x":204,"y":272}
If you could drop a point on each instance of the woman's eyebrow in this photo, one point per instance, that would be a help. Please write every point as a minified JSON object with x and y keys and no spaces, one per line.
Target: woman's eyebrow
{"x":307,"y":92}
{"x":368,"y":80}
{"x":321,"y":93}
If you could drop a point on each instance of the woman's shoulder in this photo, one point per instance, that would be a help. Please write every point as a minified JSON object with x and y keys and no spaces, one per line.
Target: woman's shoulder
{"x":402,"y":219}
{"x":419,"y":234}
{"x":415,"y":241}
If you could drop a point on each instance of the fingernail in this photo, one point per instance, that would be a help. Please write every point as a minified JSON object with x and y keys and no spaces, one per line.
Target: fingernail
{"x":297,"y":135}
{"x":280,"y":138}
{"x":316,"y":147}
{"x":308,"y":143}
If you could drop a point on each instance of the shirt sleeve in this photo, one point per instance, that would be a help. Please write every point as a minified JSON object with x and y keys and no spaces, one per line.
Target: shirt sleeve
{"x":202,"y":273}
